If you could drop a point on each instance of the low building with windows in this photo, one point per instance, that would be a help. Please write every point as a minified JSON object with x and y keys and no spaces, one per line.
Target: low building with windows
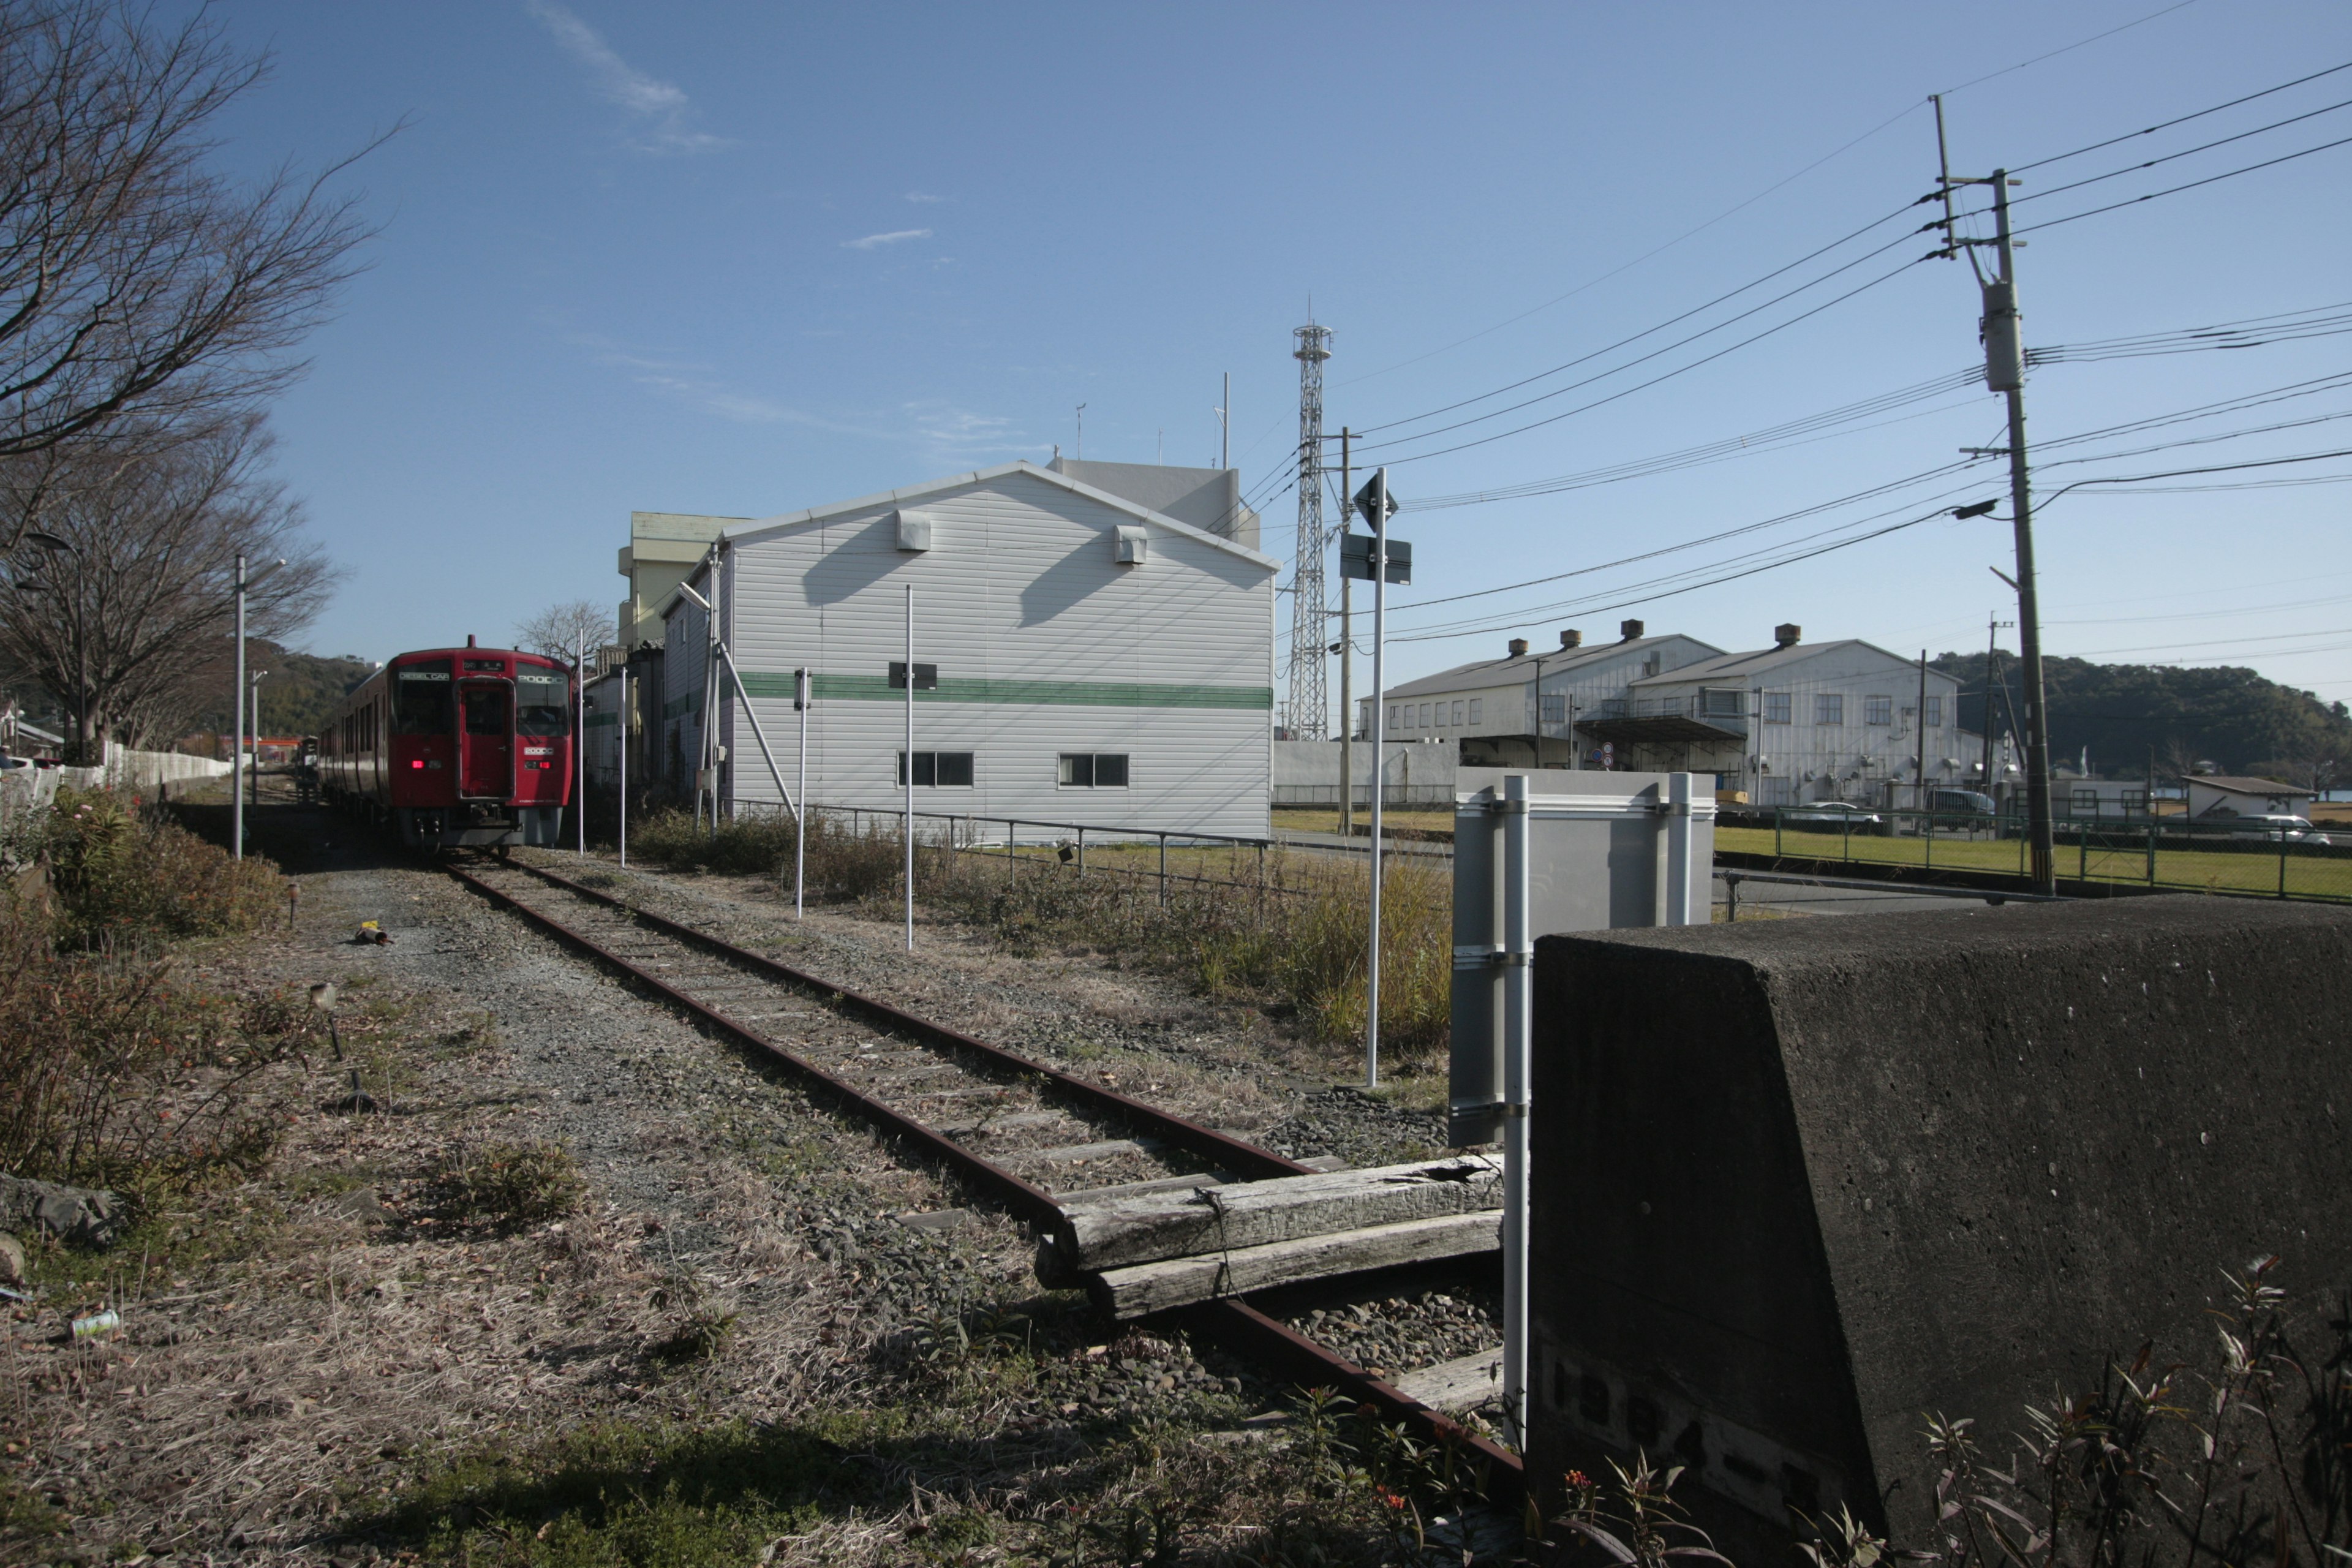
{"x":1079,"y":656}
{"x":2218,"y":797}
{"x":1796,"y":721}
{"x":1497,"y":711}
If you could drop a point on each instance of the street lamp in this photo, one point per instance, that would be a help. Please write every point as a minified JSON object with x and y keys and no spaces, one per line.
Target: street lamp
{"x":242,"y":586}
{"x":253,"y":682}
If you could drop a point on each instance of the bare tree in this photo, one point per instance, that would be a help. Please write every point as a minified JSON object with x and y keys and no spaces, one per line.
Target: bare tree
{"x":559,"y":631}
{"x":135,"y":281}
{"x":130,"y":623}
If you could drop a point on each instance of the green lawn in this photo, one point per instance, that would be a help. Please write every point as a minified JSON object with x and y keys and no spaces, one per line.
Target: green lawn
{"x":2253,"y":868}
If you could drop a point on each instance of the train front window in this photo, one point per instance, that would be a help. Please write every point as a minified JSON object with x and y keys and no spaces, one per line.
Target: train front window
{"x":421,"y":703}
{"x":541,"y":702}
{"x":486,"y":711}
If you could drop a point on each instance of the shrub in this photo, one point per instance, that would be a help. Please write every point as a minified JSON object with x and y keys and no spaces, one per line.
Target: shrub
{"x":1300,"y":941}
{"x":113,"y":1072}
{"x":846,"y":860}
{"x":125,"y":873}
{"x":508,"y":1184}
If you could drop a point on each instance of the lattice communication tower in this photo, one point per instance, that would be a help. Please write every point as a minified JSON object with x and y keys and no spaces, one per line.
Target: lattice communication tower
{"x":1309,"y":708}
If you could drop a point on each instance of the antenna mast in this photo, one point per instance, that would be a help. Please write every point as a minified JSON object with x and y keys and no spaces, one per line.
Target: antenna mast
{"x":1309,"y":707}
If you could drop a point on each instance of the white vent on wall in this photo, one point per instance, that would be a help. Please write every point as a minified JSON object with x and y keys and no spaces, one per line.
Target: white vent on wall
{"x":1129,"y":547}
{"x":914,"y":530}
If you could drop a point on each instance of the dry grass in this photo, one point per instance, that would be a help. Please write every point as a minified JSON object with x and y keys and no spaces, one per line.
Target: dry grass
{"x":1296,"y":942}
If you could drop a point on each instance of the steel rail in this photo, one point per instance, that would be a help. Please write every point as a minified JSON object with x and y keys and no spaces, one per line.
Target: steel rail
{"x":1232,"y":1322}
{"x":1232,"y":1153}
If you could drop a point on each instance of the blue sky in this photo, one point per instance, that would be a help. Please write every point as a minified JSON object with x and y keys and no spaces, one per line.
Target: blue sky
{"x":744,"y":259}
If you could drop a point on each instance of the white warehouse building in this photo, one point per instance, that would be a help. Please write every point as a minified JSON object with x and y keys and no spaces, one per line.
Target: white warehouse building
{"x":1796,"y":721}
{"x":1098,"y":662}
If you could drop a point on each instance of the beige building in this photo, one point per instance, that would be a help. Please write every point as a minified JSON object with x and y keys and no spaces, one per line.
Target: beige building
{"x":662,"y":552}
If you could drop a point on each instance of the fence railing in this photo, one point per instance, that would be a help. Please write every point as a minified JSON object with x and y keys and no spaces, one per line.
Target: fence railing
{"x":967,"y":832}
{"x":2160,"y":852}
{"x":1393,"y":797}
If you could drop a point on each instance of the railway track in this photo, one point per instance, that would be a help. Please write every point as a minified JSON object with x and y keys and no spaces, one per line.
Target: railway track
{"x":1016,"y":1131}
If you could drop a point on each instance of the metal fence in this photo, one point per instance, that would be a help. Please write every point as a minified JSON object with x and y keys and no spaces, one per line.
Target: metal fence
{"x":2203,"y":856}
{"x":963,"y":833}
{"x":1393,"y":797}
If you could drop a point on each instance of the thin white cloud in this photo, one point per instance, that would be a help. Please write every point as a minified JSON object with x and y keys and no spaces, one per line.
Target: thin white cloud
{"x":923,"y":197}
{"x":877,"y":241}
{"x":662,"y":107}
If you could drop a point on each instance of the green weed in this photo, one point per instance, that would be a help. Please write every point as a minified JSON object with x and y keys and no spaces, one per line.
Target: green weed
{"x":506,"y":1184}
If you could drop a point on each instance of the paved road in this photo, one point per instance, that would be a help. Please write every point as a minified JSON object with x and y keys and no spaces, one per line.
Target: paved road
{"x":1781,"y":898}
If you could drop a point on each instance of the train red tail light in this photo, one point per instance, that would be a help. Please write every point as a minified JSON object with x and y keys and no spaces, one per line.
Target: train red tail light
{"x":417,"y":763}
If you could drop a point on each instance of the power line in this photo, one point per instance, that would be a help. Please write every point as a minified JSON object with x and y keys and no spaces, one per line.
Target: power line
{"x":1735,"y":210}
{"x":2175,"y":157}
{"x":1661,"y":326}
{"x":2180,"y":120}
{"x":2193,"y":185}
{"x":1754,"y":440}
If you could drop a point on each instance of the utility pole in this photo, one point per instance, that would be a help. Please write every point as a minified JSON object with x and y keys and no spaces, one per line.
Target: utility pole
{"x":1347,"y":664}
{"x":2005,"y":371}
{"x":1920,"y":762}
{"x":2004,"y":344}
{"x":1225,"y":425}
{"x":1310,"y":694}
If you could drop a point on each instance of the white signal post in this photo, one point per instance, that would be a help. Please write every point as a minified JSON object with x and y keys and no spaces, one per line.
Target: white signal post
{"x":1373,"y":501}
{"x":911,"y":756}
{"x":800,"y":827}
{"x":624,"y":767}
{"x":243,"y":585}
{"x":579,"y":741}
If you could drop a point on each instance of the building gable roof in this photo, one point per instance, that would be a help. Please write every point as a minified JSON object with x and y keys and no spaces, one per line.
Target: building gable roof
{"x":913,"y":493}
{"x":1516,"y":670}
{"x":1741,"y":666}
{"x":2239,"y":784}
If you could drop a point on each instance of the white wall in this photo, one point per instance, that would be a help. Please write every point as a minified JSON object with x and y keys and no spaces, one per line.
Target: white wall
{"x":1044,"y":643}
{"x":1306,"y":773}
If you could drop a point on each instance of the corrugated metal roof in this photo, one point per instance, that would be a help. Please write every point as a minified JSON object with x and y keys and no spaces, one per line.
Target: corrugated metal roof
{"x":982,"y":476}
{"x":1741,"y":666}
{"x":2241,"y":785}
{"x":1516,"y":670}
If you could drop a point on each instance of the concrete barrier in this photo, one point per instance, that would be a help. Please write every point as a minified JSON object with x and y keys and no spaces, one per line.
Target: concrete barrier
{"x":1798,"y":1185}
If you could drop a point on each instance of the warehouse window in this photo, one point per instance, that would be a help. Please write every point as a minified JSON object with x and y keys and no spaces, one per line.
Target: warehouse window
{"x":938,"y":770}
{"x":1457,"y":715}
{"x":1829,"y":708}
{"x":1474,"y":711}
{"x":1777,"y":705}
{"x":1935,"y":713}
{"x":1555,"y":709}
{"x":1393,"y":721}
{"x":1878,"y":710}
{"x":1724,"y":703}
{"x":1424,"y":716}
{"x":1093,"y":770}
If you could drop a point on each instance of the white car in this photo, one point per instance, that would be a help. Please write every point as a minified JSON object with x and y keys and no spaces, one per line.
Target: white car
{"x":2279,"y":827}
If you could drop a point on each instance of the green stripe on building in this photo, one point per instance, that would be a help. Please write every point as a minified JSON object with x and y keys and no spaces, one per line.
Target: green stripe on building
{"x":687,"y":704}
{"x":1039,"y":693}
{"x":598,"y":720}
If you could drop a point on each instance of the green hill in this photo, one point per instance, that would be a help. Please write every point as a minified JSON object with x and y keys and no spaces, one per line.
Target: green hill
{"x":2230,"y":717}
{"x":301,"y":690}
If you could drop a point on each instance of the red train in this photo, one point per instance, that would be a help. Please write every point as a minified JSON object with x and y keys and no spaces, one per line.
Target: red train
{"x":453,"y":747}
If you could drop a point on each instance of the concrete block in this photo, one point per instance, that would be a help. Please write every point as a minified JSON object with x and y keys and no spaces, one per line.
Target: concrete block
{"x":1799,"y":1183}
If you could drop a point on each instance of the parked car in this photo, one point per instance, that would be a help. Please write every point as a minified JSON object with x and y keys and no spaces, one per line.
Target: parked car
{"x":2279,"y":827}
{"x":1836,"y":814}
{"x":1961,"y":803}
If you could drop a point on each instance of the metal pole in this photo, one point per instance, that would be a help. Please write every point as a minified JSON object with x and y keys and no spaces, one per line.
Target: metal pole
{"x":1518,"y":994}
{"x":579,"y":742}
{"x":1379,"y":733}
{"x":624,"y":767}
{"x":257,"y":739}
{"x":1347,"y":659}
{"x":910,"y":766}
{"x":1678,"y":901}
{"x":1163,"y":870}
{"x":1226,"y":424}
{"x":1919,"y":765}
{"x":236,"y":723}
{"x":2029,"y":606}
{"x":799,"y":831}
